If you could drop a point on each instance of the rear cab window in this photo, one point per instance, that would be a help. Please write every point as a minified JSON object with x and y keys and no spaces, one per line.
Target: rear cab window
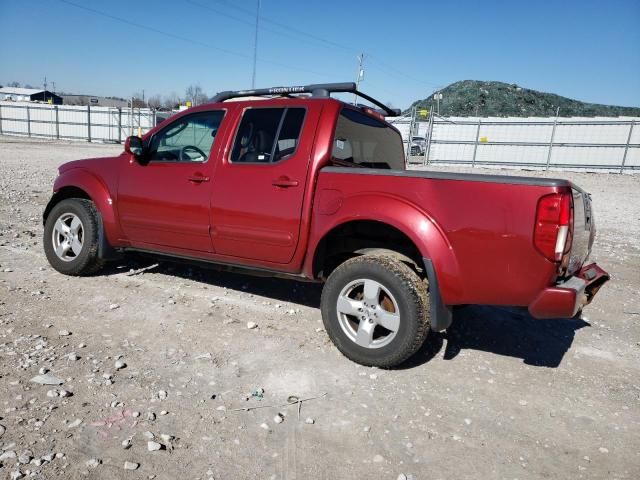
{"x":361,"y":140}
{"x":267,"y":135}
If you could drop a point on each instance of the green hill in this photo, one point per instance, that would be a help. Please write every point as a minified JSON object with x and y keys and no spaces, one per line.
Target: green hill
{"x":498,"y":99}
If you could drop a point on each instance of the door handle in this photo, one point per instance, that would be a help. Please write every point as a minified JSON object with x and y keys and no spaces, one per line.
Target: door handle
{"x":197,"y":178}
{"x":284,"y":182}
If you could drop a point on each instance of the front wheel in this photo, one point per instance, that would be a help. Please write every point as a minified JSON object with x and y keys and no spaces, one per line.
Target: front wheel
{"x":376,"y":310}
{"x":71,"y":237}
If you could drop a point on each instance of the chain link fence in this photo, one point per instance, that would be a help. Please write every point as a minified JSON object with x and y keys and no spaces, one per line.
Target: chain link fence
{"x":599,"y":143}
{"x":104,"y":124}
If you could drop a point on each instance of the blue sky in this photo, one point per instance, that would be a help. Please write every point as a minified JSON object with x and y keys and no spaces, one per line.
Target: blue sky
{"x":581,"y":49}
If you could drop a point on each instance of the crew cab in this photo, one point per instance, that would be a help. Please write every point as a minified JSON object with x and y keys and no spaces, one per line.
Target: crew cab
{"x":292,"y":182}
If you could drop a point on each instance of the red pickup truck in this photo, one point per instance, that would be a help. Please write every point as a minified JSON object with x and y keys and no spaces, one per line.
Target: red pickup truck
{"x":292,"y":182}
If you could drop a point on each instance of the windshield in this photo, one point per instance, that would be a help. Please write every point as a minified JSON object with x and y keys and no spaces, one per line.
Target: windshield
{"x":364,"y":141}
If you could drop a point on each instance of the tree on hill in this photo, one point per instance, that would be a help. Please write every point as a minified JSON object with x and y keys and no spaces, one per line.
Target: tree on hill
{"x":498,"y":99}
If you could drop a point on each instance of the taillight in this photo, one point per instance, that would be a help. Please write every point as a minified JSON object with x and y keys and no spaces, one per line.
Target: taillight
{"x":554,"y":224}
{"x":372,"y":112}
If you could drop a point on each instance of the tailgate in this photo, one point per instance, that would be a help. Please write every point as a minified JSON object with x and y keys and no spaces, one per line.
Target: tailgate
{"x":583,"y":229}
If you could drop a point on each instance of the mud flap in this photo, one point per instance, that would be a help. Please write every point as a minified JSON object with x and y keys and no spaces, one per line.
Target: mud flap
{"x":105,"y":251}
{"x":441,"y":316}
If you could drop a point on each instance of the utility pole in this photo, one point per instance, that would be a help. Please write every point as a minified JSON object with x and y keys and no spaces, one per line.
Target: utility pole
{"x":45,"y":88}
{"x":359,"y":75}
{"x":255,"y":47}
{"x":53,"y":87}
{"x":144,"y":104}
{"x":131,"y":119}
{"x":437,"y":97}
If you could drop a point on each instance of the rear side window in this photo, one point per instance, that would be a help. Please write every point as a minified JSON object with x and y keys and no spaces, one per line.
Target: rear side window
{"x":267,"y":135}
{"x":363,"y":141}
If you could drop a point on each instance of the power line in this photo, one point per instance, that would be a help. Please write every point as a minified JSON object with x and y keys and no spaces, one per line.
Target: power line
{"x":397,"y":72}
{"x":289,"y":28}
{"x":152,"y":29}
{"x":232,"y":17}
{"x":287,"y":33}
{"x":186,"y":39}
{"x":382,"y":67}
{"x":378,"y":65}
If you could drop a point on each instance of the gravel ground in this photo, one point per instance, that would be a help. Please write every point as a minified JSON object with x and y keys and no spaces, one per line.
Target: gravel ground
{"x":162,"y":378}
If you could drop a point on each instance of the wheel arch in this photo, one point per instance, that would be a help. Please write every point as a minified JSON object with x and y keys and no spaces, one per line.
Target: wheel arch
{"x":79,"y":183}
{"x":423,"y":243}
{"x":362,"y":237}
{"x":421,"y":234}
{"x":65,"y":192}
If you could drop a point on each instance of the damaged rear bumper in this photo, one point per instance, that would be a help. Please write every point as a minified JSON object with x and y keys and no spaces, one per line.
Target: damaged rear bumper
{"x":566,"y":299}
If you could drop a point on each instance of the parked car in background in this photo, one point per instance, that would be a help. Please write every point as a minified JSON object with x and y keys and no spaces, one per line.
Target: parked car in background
{"x":418,"y":145}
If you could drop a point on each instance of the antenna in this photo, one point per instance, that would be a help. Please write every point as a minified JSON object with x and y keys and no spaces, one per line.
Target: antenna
{"x":359,"y":75}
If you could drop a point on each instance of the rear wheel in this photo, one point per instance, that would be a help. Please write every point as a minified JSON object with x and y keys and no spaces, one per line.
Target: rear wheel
{"x":376,"y":310}
{"x":71,"y":237}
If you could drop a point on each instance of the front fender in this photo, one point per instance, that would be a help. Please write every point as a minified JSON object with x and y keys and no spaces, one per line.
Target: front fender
{"x":97,"y":191}
{"x":415,"y":223}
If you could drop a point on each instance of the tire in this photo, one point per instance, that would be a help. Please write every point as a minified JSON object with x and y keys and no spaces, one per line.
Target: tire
{"x":355,"y":318}
{"x":77,"y":252}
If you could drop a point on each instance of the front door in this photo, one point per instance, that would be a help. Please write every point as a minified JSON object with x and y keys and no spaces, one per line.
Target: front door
{"x":257,"y":194}
{"x":166,"y":202}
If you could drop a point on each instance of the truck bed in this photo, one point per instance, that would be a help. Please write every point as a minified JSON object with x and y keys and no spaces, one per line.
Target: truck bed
{"x":483,"y":223}
{"x":471,"y":177}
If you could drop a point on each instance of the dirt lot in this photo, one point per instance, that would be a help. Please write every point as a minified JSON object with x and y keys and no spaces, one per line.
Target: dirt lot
{"x":500,"y":395}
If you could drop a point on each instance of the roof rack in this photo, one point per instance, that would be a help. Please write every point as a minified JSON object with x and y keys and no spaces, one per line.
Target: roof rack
{"x":316,"y":90}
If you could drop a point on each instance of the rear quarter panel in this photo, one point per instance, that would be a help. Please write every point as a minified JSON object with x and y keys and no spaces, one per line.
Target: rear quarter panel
{"x":478,"y":234}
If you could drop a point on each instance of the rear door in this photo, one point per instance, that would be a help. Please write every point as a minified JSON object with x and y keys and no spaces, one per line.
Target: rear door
{"x":259,"y":186}
{"x":166,"y":202}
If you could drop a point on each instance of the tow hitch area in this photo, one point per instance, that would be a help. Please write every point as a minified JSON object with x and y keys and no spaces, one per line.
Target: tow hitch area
{"x":566,"y":299}
{"x":595,"y":278}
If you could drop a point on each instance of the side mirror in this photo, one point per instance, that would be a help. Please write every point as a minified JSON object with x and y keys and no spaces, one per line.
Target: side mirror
{"x":135,"y":146}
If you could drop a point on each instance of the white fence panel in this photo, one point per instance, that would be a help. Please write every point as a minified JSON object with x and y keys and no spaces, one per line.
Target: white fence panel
{"x":106,"y":124}
{"x":577,"y":142}
{"x":596,"y":143}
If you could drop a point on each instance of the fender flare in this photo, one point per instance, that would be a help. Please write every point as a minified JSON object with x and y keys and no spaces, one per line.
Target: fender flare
{"x":97,"y":191}
{"x":420,"y":227}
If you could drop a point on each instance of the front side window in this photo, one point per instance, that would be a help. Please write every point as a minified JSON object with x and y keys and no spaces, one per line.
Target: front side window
{"x":363,"y":141}
{"x":188,"y":139}
{"x":267,"y":135}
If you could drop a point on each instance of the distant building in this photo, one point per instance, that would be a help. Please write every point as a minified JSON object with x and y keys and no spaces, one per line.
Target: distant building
{"x":17,"y":94}
{"x":94,"y":101}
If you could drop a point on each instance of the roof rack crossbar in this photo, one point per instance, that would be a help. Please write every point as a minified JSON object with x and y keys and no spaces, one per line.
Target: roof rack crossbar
{"x":316,"y":90}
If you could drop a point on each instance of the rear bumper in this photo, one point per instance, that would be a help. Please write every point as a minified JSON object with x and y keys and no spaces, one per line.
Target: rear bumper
{"x":566,"y":299}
